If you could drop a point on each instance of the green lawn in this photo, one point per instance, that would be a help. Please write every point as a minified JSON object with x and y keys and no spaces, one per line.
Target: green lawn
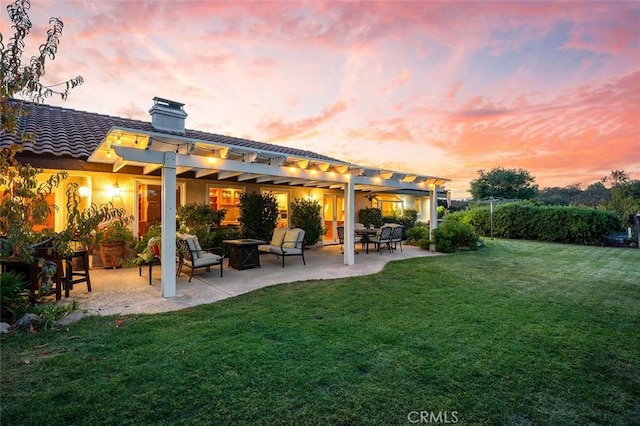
{"x":517,"y":333}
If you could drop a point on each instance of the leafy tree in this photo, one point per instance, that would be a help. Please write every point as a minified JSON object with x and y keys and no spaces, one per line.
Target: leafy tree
{"x":504,"y":183}
{"x":594,"y":195}
{"x":625,"y":193}
{"x":24,"y":79}
{"x":23,"y":201}
{"x":570,"y":194}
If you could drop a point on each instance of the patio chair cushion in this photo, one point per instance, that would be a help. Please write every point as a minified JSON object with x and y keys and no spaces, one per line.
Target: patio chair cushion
{"x":278,"y":251}
{"x":278,"y":236}
{"x":292,"y":238}
{"x":193,"y":243}
{"x":204,"y":260}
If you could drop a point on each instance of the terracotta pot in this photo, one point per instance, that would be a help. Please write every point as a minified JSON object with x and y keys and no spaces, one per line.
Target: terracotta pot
{"x":112,"y":254}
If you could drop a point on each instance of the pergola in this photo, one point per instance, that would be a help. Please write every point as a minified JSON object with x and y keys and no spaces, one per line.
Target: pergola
{"x":175,"y":154}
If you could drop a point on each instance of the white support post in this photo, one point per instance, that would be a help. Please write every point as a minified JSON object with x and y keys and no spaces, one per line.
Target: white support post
{"x":349,"y":223}
{"x":168,"y":254}
{"x":433,"y":208}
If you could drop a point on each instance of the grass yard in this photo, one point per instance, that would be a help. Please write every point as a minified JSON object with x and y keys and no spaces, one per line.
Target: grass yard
{"x":520,"y":333}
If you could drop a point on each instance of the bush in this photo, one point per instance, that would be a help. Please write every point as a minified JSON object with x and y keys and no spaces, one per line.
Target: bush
{"x":452,"y":235}
{"x":196,"y":215}
{"x":407,"y":220}
{"x":529,"y":221}
{"x":258,"y":215}
{"x":420,"y":231}
{"x":306,"y":214}
{"x":370,"y":216}
{"x":14,"y":296}
{"x":215,"y":238}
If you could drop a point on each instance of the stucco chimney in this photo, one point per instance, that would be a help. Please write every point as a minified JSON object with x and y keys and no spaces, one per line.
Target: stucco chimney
{"x":167,"y":115}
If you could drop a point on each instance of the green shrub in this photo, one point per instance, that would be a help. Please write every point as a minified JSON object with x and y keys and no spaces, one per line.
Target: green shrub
{"x":370,"y":216}
{"x":306,"y":214}
{"x":215,"y":238}
{"x":531,"y":221}
{"x":452,"y":235}
{"x":407,"y":220}
{"x":420,"y":231}
{"x":196,"y":215}
{"x":258,"y":215}
{"x":14,"y":296}
{"x":424,"y":244}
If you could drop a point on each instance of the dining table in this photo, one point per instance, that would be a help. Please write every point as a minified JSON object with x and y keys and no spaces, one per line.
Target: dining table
{"x":365,"y":233}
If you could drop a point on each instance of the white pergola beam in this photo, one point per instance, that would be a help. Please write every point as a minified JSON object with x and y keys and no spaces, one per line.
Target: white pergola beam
{"x":263,"y":179}
{"x":150,"y":168}
{"x":119,"y":164}
{"x":246,"y":176}
{"x":227,"y":175}
{"x":205,"y":172}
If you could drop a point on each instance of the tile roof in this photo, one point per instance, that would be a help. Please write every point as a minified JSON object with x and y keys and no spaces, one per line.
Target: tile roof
{"x":65,"y":132}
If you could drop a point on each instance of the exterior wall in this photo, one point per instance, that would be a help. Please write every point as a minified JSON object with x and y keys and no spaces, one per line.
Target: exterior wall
{"x":101,"y":190}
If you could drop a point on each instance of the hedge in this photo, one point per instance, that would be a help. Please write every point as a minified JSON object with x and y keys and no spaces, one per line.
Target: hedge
{"x":527,"y":221}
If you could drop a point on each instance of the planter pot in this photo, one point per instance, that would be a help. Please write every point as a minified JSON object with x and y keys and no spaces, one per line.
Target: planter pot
{"x":112,"y":254}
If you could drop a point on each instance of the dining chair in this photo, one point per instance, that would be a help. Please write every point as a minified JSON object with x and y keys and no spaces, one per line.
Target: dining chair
{"x":396,"y":235}
{"x":356,"y":238}
{"x":382,"y":237}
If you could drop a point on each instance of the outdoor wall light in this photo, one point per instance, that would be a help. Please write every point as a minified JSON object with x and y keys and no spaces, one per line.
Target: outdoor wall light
{"x":116,"y":191}
{"x":83,"y":191}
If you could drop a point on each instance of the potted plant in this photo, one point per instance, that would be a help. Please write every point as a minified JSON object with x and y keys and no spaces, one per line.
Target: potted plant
{"x":112,"y":238}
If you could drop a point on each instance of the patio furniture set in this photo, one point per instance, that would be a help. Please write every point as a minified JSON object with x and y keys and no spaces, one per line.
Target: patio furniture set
{"x":242,"y":253}
{"x":70,"y":270}
{"x":387,"y":237}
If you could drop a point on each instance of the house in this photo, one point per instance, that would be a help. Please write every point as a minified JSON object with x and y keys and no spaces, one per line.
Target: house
{"x":149,"y":168}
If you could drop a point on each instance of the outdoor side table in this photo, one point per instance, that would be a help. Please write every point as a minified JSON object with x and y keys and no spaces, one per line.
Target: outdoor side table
{"x":243,"y":254}
{"x":151,"y":262}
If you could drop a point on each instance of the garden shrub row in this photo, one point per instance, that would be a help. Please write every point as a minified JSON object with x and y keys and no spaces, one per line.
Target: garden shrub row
{"x":528,"y":221}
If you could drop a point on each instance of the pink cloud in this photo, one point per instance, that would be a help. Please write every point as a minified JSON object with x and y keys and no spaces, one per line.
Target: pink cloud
{"x":278,"y":130}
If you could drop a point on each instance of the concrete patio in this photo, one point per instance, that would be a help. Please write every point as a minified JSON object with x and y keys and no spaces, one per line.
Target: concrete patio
{"x":123,"y":291}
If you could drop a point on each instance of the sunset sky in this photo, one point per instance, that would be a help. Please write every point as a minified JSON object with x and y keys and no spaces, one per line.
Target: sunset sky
{"x":437,"y":88}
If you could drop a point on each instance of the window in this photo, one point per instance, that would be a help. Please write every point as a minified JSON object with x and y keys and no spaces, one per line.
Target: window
{"x":282,"y":197}
{"x":390,"y":206}
{"x":227,"y":199}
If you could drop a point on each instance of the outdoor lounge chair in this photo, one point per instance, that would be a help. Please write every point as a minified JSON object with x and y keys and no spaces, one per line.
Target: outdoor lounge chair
{"x":285,"y":242}
{"x":190,"y":254}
